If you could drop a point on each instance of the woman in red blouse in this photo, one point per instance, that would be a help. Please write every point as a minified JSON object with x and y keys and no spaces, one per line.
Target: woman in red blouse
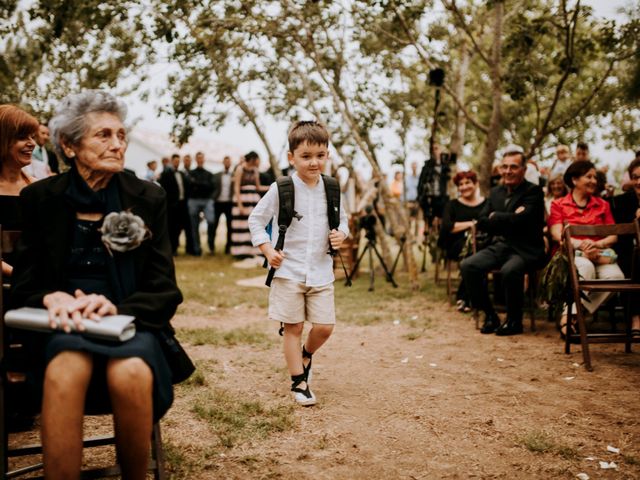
{"x":594,"y":256}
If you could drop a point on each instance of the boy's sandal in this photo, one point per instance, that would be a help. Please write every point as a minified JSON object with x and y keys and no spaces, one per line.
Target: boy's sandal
{"x":303,"y":396}
{"x":566,"y":328}
{"x":307,"y":369}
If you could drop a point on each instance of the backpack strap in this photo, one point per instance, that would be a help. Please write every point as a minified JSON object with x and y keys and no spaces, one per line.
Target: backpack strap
{"x":286,"y":212}
{"x":332,"y":191}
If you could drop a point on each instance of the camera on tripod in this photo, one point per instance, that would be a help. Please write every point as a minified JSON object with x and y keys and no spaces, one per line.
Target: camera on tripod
{"x":368,"y":223}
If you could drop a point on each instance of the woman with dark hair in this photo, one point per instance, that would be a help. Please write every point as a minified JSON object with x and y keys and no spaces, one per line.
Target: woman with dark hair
{"x":626,"y":209}
{"x":81,"y":265}
{"x":594,"y":256}
{"x":17,"y":141}
{"x":459,"y":216}
{"x":246,"y":195}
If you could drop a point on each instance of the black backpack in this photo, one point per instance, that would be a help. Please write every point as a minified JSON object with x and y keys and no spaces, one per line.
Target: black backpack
{"x":287,"y":212}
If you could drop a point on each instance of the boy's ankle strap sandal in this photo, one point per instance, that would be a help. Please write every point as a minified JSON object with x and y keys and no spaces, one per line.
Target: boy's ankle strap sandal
{"x":307,"y":369}
{"x":297,"y":380}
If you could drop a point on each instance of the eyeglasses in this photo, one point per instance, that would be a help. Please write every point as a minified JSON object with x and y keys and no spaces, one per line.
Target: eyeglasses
{"x":635,"y":178}
{"x":511,"y":168}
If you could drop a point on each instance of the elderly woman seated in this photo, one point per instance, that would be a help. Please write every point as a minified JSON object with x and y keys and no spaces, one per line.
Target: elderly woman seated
{"x":581,"y":206}
{"x":64,"y":266}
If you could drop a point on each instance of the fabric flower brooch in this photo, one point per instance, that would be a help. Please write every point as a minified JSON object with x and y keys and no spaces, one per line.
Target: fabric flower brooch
{"x":123,"y":231}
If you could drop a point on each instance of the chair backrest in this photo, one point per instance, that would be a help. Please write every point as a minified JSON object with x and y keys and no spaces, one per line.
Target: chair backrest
{"x":632,"y":229}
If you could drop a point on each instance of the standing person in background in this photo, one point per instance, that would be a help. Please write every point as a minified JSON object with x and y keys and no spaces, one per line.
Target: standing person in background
{"x":186,"y":163}
{"x":166,"y":164}
{"x":43,"y":153}
{"x":201,"y":201}
{"x":582,"y":152}
{"x":246,"y":194}
{"x":39,"y":167}
{"x":175,"y":184}
{"x":397,"y":186}
{"x":432,"y":187}
{"x":411,"y":194}
{"x":151,"y":174}
{"x":562,"y":161}
{"x":223,"y":197}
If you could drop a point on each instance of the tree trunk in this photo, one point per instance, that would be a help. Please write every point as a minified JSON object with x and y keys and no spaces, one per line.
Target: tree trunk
{"x":495,"y":124}
{"x":457,"y":139}
{"x":253,"y":119}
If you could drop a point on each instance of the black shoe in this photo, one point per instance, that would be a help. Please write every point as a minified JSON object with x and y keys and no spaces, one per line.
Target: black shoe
{"x":509,"y":327}
{"x":491,"y":323}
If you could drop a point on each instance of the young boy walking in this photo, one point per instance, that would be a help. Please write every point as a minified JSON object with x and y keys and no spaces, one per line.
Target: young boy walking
{"x":302,"y":287}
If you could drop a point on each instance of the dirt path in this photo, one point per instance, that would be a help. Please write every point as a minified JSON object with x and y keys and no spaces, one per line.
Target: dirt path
{"x":449,"y":404}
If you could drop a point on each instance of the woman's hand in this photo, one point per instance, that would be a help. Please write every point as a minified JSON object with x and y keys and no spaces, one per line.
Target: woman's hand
{"x":94,"y":306}
{"x":65,"y":308}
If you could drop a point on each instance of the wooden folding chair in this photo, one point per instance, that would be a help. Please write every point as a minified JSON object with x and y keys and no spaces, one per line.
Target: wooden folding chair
{"x":8,"y":241}
{"x":628,"y":286}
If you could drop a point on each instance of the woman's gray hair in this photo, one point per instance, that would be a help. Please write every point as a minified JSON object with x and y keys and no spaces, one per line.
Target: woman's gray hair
{"x":69,"y":122}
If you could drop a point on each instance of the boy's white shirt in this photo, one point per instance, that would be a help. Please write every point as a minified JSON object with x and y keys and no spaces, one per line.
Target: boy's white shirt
{"x":307,"y":240}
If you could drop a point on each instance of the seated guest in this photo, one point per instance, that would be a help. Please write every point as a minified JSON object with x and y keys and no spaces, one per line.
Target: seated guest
{"x":626,"y":209}
{"x":17,"y":141}
{"x":581,"y":206}
{"x":64,"y":266}
{"x":460,"y":215}
{"x":556,"y":189}
{"x":514,"y":216}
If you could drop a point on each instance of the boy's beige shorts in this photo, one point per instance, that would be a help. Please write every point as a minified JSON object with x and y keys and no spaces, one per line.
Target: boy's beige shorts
{"x":294,"y":302}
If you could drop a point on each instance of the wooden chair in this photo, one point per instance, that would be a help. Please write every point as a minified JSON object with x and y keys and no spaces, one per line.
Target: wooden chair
{"x":8,"y":241}
{"x":629,"y":286}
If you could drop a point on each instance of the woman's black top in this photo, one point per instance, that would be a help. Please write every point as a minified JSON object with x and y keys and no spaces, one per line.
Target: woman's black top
{"x":456,"y":211}
{"x":10,"y":218}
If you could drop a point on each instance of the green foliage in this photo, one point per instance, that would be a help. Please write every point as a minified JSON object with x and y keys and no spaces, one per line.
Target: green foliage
{"x":555,"y":285}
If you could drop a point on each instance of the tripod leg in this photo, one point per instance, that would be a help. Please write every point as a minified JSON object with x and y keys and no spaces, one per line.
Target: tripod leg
{"x":371,"y":271}
{"x":395,"y":262}
{"x":384,"y":266}
{"x":355,"y":266}
{"x":424,"y":258}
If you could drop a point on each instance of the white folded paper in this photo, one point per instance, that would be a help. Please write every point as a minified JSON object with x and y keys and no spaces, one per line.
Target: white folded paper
{"x":113,"y":327}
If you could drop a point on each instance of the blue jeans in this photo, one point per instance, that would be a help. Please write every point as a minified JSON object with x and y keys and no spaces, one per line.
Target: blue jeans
{"x":197,"y":205}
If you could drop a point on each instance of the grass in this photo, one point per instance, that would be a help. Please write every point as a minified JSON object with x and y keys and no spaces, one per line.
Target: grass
{"x":236,"y":420}
{"x":230,"y":338}
{"x":538,"y":441}
{"x":209,"y":282}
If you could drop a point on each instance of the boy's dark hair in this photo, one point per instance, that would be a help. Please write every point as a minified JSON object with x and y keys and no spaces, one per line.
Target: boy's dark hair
{"x":310,"y":131}
{"x":582,"y":146}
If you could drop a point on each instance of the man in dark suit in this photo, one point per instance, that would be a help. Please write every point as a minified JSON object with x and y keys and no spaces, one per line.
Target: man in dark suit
{"x":223,"y":197}
{"x":514,"y":217}
{"x":176,"y":184}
